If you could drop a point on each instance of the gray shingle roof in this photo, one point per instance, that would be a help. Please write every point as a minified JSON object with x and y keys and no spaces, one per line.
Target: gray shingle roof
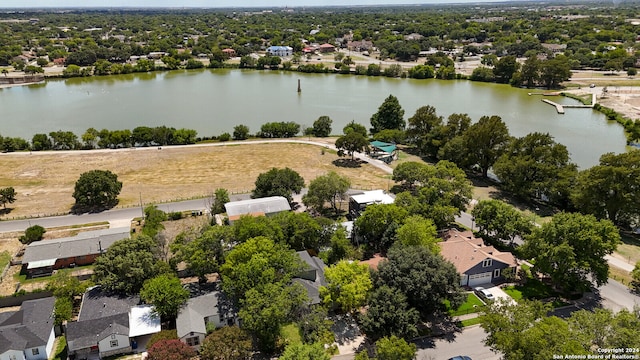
{"x":313,"y":278}
{"x":85,"y":243}
{"x":268,"y":205}
{"x":28,"y":327}
{"x":191,"y":316}
{"x":84,"y":334}
{"x":97,"y":304}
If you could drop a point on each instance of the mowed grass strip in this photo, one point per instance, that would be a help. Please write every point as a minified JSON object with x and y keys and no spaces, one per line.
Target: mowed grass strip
{"x":44,"y":181}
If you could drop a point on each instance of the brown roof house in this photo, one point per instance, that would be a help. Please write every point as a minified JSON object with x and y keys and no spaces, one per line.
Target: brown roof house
{"x":477,"y":263}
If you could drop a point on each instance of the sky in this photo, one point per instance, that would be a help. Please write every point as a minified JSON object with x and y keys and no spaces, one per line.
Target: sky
{"x":212,"y":3}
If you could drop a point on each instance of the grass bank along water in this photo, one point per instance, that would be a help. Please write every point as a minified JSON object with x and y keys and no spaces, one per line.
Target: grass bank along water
{"x":214,"y":101}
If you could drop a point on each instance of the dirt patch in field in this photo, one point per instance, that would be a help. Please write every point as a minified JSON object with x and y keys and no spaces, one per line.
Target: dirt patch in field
{"x":44,"y":181}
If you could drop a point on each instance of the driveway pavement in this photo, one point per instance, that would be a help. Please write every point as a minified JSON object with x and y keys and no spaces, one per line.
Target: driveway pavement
{"x":498,"y":293}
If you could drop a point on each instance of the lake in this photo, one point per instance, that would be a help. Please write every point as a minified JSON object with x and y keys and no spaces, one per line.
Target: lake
{"x":214,"y":101}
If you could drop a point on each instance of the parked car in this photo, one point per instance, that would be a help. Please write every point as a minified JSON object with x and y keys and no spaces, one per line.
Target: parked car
{"x":484,"y":293}
{"x":460,"y":357}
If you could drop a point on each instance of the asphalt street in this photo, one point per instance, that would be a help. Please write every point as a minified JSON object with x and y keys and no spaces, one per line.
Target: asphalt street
{"x":468,"y":342}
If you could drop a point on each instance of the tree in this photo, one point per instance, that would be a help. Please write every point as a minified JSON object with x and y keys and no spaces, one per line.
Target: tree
{"x":162,"y":335}
{"x":153,"y":218}
{"x":537,"y":167}
{"x":263,"y":311}
{"x":570,"y":249}
{"x":388,"y":313}
{"x":554,"y":71}
{"x":301,"y":351}
{"x":322,"y":127}
{"x":500,"y":220}
{"x":390,"y":115}
{"x":329,"y":188}
{"x":240,"y":132}
{"x":32,"y":233}
{"x":635,"y":274}
{"x":530,"y":73}
{"x":314,"y":325}
{"x":378,"y":223}
{"x":445,"y":191}
{"x":248,"y":227}
{"x":227,"y":343}
{"x":610,"y":190}
{"x":41,"y":142}
{"x":424,"y":126}
{"x":351,"y":143}
{"x":96,"y":190}
{"x":256,"y":263}
{"x":394,"y":348}
{"x":126,"y":265}
{"x":348,"y":284}
{"x":278,"y":182}
{"x":203,"y":255}
{"x":505,"y":68}
{"x":170,"y":350}
{"x":418,"y":231}
{"x":7,"y":196}
{"x":300,"y":231}
{"x":426,"y":279}
{"x":220,"y":197}
{"x":166,"y":294}
{"x":353,"y":126}
{"x":62,"y":310}
{"x":485,"y":141}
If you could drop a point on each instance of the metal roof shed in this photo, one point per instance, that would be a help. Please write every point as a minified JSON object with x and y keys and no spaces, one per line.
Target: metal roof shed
{"x":267,"y":206}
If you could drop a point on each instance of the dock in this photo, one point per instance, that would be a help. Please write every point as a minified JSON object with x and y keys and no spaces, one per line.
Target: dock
{"x":559,"y":108}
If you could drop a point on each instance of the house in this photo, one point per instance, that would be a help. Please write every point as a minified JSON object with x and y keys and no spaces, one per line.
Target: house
{"x":229,"y":52}
{"x":383,"y":151}
{"x":477,"y":263}
{"x":313,"y":277}
{"x":42,"y":257}
{"x":374,"y":261}
{"x":555,"y":48}
{"x":209,"y":308}
{"x":326,"y":48}
{"x":362,"y":45}
{"x":359,"y":202}
{"x":280,"y":50}
{"x":256,"y":207}
{"x":28,"y":333}
{"x":110,"y":325}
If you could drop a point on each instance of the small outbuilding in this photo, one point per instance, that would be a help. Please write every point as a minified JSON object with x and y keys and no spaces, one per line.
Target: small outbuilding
{"x":359,"y":202}
{"x":383,"y":151}
{"x":256,"y":207}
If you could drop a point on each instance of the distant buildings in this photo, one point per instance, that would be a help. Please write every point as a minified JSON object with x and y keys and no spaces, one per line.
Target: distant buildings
{"x":280,"y":51}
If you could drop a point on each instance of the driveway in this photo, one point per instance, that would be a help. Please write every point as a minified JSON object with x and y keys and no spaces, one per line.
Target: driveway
{"x":498,"y":293}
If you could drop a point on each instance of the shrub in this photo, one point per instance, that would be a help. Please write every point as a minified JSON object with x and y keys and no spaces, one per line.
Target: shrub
{"x":33,"y":233}
{"x":224,"y":137}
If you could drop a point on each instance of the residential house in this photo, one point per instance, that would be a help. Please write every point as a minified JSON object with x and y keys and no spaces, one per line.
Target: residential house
{"x":476,"y":262}
{"x":555,"y":48}
{"x":359,"y":202}
{"x":267,"y":206}
{"x":209,"y":307}
{"x":362,"y":45}
{"x":326,"y":48}
{"x":28,"y":334}
{"x":313,"y":276}
{"x":229,"y":52}
{"x":110,"y":325}
{"x":42,"y":257}
{"x":280,"y":50}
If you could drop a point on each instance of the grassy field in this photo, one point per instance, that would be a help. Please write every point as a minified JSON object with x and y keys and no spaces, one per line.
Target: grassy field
{"x":472,"y":305}
{"x":44,"y":181}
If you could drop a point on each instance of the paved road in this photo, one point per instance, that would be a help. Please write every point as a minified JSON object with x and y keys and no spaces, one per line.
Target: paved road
{"x":467,"y":342}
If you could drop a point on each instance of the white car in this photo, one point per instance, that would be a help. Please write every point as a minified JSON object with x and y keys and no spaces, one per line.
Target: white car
{"x":484,"y":293}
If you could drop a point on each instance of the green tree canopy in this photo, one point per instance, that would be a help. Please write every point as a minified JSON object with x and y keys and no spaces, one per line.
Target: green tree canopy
{"x":32,"y":233}
{"x":227,"y":343}
{"x":485,"y":141}
{"x":423,"y":130}
{"x":426,"y":279}
{"x":96,"y":190}
{"x":388,"y":313}
{"x":126,"y":265}
{"x":348,"y":284}
{"x":536,"y":167}
{"x":351,"y":143}
{"x":300,"y":230}
{"x":353,"y":126}
{"x":611,"y":189}
{"x":570,"y":249}
{"x":378,"y":223}
{"x":7,"y":196}
{"x":390,"y":115}
{"x":240,"y":132}
{"x":418,"y":231}
{"x":258,"y":262}
{"x":278,"y":182}
{"x":500,"y":220}
{"x":330,"y":188}
{"x":203,"y":255}
{"x":394,"y":348}
{"x":322,"y":126}
{"x":301,"y":351}
{"x":220,"y":197}
{"x":166,"y":294}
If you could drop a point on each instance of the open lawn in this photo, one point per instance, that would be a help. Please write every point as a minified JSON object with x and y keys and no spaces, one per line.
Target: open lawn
{"x":44,"y":181}
{"x":472,"y":305}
